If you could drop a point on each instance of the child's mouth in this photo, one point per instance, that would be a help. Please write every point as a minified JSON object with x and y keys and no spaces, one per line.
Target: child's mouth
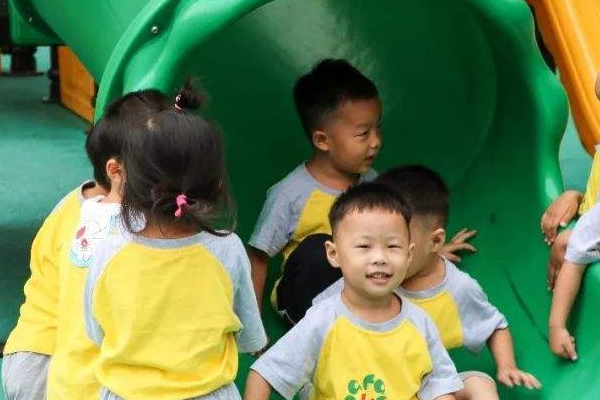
{"x":379,"y":277}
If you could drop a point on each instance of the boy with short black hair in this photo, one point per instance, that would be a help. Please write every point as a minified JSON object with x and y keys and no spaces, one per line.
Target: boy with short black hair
{"x":364,"y":342}
{"x":340,"y":111}
{"x":455,"y":301}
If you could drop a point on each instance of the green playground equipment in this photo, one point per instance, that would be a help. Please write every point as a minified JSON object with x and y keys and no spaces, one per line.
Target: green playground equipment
{"x":464,"y":88}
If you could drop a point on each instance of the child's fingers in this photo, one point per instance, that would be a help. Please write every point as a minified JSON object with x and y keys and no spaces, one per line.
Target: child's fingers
{"x":464,"y":235}
{"x":458,"y":234}
{"x":452,"y":247}
{"x":533,"y":381}
{"x":452,"y":257}
{"x":569,"y":347}
{"x":549,"y":224}
{"x":505,"y":380}
{"x":517,"y":378}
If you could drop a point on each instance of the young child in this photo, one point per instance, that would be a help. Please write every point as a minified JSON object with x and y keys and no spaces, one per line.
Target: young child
{"x":566,"y":207}
{"x":340,"y":112}
{"x":37,"y":335}
{"x":583,"y":248}
{"x":365,"y":342}
{"x":169,"y":295}
{"x":453,"y":299}
{"x":71,"y":371}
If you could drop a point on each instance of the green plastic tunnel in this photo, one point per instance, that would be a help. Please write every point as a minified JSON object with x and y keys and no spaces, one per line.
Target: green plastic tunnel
{"x":464,"y":89}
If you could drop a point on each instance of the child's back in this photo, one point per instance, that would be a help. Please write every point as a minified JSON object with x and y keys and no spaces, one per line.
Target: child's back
{"x":165,"y":310}
{"x":71,"y":371}
{"x":169,"y":298}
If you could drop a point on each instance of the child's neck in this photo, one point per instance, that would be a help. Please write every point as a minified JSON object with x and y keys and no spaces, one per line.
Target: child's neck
{"x":373,"y":311}
{"x":430,"y":276}
{"x":320,"y":167}
{"x":156,"y":230}
{"x":93,"y":190}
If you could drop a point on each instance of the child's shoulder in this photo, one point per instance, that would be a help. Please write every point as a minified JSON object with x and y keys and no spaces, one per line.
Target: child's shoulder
{"x":460,"y":281}
{"x":416,"y":315}
{"x":71,"y":200}
{"x":294,"y":184}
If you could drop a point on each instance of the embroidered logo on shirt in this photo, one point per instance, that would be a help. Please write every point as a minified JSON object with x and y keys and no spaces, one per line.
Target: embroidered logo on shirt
{"x":86,"y":237}
{"x":371,"y":388}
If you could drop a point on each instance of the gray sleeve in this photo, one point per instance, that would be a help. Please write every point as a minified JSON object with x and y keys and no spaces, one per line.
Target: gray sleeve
{"x":335,"y":288}
{"x":291,"y":362}
{"x":275,"y":223}
{"x":252,"y":336}
{"x":443,"y":379}
{"x":103,"y":253}
{"x":24,"y":375}
{"x":478,"y":316}
{"x":584,"y":243}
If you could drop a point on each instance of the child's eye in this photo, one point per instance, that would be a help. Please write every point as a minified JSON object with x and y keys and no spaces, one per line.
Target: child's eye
{"x":363,"y":246}
{"x":394,"y":246}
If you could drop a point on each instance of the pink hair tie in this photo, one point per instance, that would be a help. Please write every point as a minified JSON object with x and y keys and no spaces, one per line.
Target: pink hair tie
{"x":182,"y":203}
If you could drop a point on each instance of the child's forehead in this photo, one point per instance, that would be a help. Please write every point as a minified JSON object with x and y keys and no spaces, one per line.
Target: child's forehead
{"x":357,"y":220}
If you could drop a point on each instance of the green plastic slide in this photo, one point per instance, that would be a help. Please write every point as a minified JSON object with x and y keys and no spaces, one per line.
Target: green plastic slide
{"x":464,"y":89}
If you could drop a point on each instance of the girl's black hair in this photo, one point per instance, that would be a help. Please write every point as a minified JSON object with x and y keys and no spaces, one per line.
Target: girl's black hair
{"x":105,"y":138}
{"x":173,"y":153}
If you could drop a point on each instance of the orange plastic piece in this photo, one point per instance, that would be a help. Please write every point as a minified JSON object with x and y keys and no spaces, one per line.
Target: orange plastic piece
{"x":77,"y":87}
{"x":571,"y":30}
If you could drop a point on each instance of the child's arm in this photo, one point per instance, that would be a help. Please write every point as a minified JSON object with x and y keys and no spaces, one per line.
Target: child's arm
{"x":565,"y":291}
{"x":257,"y":388}
{"x":458,"y":243}
{"x":557,"y":257}
{"x":560,"y":213}
{"x":583,"y":248}
{"x":259,"y":262}
{"x":501,"y":347}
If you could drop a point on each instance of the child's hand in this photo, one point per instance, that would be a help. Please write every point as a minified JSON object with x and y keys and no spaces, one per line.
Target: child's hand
{"x":515,"y":377}
{"x":562,"y":343}
{"x":560,"y":212}
{"x":557,"y":256}
{"x":458,"y":243}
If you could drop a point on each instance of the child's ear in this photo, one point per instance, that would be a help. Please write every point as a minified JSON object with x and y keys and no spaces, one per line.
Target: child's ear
{"x":331,"y":252}
{"x":411,"y":250}
{"x":114,"y":170}
{"x":437,"y":239}
{"x":320,"y":140}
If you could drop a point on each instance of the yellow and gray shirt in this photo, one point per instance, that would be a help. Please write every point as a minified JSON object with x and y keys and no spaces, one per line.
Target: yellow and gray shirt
{"x":345,"y":357}
{"x":296,"y":207}
{"x":170,"y":315}
{"x":71,"y":371}
{"x":36,"y":328}
{"x":460,"y":309}
{"x":584,"y":242}
{"x":458,"y":306}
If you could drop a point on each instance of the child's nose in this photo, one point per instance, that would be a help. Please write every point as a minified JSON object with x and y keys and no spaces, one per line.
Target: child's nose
{"x":379,"y":257}
{"x":375,"y":140}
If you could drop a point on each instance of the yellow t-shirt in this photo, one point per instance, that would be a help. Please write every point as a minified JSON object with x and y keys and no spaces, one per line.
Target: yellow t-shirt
{"x":460,"y":310}
{"x":36,"y":328}
{"x":590,"y":198}
{"x":350,"y":359}
{"x":165,"y":314}
{"x":71,"y":370}
{"x":296,"y":207}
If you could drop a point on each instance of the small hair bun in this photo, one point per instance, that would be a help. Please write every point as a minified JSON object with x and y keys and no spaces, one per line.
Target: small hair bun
{"x":188,"y":98}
